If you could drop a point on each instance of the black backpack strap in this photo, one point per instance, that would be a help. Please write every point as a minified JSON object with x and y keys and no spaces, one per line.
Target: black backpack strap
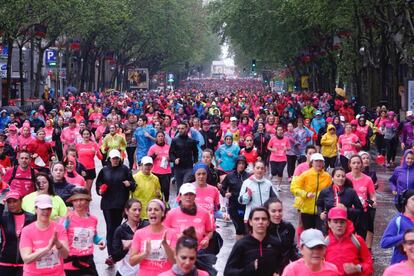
{"x":13,"y":174}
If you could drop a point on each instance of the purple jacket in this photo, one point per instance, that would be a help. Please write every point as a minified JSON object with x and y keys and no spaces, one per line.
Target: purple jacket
{"x":407,"y":134}
{"x":402,"y":177}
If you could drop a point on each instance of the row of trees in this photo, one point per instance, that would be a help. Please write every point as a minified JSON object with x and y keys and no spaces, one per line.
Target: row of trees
{"x":157,"y":34}
{"x":366,"y":45}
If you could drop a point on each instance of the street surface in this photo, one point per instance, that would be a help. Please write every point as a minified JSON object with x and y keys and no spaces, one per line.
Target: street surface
{"x":385,"y":212}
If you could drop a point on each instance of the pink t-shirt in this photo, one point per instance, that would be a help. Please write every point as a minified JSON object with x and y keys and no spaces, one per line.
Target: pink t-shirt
{"x":161,"y":161}
{"x":271,"y":129}
{"x":301,"y":168}
{"x":19,"y":222}
{"x":281,"y":146}
{"x":86,"y":154}
{"x":179,"y":221}
{"x":68,"y":135}
{"x":363,"y":186}
{"x":299,"y":268}
{"x":96,"y":118}
{"x":81,"y":231}
{"x":170,"y":273}
{"x":35,"y":238}
{"x":157,"y":261}
{"x":345,"y":141}
{"x":22,"y":181}
{"x":399,"y":269}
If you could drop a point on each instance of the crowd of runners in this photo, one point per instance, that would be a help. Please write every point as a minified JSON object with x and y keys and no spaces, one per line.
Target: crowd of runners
{"x":225,"y":147}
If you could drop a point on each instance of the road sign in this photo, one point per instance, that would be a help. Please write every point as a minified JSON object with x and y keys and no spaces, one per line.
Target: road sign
{"x":50,"y":56}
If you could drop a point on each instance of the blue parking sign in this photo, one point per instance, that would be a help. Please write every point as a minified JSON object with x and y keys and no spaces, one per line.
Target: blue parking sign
{"x":50,"y":57}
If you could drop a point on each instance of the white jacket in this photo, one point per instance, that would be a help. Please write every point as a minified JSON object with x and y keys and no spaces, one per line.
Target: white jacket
{"x":261,"y":189}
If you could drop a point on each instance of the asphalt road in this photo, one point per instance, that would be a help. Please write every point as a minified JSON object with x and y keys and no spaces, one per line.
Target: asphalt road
{"x":385,"y":212}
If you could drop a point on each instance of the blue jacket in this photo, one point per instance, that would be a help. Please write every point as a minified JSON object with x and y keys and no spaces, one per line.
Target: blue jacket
{"x":317,"y":124}
{"x":227,"y":163}
{"x":402,"y":177}
{"x":393,"y":236}
{"x":143,"y":143}
{"x":4,"y":120}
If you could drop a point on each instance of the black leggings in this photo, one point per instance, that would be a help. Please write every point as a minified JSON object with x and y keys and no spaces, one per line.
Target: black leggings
{"x":113,"y":218}
{"x":345,"y":163}
{"x":379,"y":142}
{"x":131,"y":156}
{"x":237,"y":216}
{"x":11,"y":270}
{"x":391,"y":148}
{"x":330,"y":162}
{"x":165,"y":180}
{"x":291,"y":164}
{"x":310,"y":221}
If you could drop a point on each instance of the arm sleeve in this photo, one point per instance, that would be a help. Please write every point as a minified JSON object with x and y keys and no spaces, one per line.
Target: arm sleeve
{"x":320,"y":202}
{"x":365,"y":258}
{"x":195,"y":152}
{"x":357,"y":209}
{"x":63,"y":210}
{"x":390,"y":237}
{"x":99,"y":180}
{"x":235,"y":265}
{"x":296,"y":186}
{"x":131,"y":180}
{"x":244,"y":197}
{"x":224,"y":185}
{"x":393,"y":181}
{"x":172,"y":153}
{"x":118,"y":249}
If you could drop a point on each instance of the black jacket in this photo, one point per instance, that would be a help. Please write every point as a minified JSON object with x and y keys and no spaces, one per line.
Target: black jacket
{"x":348,"y":197}
{"x":64,"y":190}
{"x":123,"y":232}
{"x":209,"y":135}
{"x":233,"y":182}
{"x":9,"y":250}
{"x":244,"y":253}
{"x":117,"y":194}
{"x":185,"y":148}
{"x":260,"y":141}
{"x":285,"y":233}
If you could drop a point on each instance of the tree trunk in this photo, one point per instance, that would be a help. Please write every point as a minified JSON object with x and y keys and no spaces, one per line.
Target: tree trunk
{"x":6,"y":94}
{"x":21,"y":64}
{"x":39,"y":71}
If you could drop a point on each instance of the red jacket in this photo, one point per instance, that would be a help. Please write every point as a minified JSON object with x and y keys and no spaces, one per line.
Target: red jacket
{"x":345,"y":250}
{"x":43,"y":149}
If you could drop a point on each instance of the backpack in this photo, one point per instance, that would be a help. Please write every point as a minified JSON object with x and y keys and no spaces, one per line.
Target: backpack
{"x":13,"y":176}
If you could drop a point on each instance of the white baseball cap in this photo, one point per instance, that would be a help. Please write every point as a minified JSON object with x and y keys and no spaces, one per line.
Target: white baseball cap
{"x":317,"y":156}
{"x":146,"y":160}
{"x":311,"y":238}
{"x":187,"y":188}
{"x":233,"y":119}
{"x":114,"y":153}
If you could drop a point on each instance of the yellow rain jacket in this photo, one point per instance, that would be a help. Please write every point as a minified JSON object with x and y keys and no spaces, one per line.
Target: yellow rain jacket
{"x":310,"y":181}
{"x":328,"y":143}
{"x":148,"y":188}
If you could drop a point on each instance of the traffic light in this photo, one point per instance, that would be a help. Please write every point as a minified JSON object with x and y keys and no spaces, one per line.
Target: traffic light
{"x":253,"y":65}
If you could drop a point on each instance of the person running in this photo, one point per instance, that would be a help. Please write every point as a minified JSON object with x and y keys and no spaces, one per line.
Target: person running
{"x":68,"y":135}
{"x":278,"y":147}
{"x":366,"y":163}
{"x":292,"y":153}
{"x":403,"y":176}
{"x":11,"y":224}
{"x":123,"y":237}
{"x":161,"y":167}
{"x":348,"y":145}
{"x":257,"y":253}
{"x":82,"y":234}
{"x":256,"y":189}
{"x":390,"y":129}
{"x":44,"y":185}
{"x":346,"y":250}
{"x":282,"y":230}
{"x":313,"y":249}
{"x":183,"y":153}
{"x":339,"y":194}
{"x":60,"y":185}
{"x":21,"y":177}
{"x":329,"y":147}
{"x":144,"y":136}
{"x":113,"y":141}
{"x":148,"y":185}
{"x":407,"y":267}
{"x":365,"y":189}
{"x":308,"y":186}
{"x":260,"y":139}
{"x":71,"y":174}
{"x":152,"y":246}
{"x":230,"y":189}
{"x":87,"y":150}
{"x":114,"y":184}
{"x":249,"y":152}
{"x":226,"y":154}
{"x":186,"y":256}
{"x":43,"y":243}
{"x":398,"y":225}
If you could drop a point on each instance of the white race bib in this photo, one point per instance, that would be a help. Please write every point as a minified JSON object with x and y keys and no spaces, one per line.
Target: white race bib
{"x":48,"y":261}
